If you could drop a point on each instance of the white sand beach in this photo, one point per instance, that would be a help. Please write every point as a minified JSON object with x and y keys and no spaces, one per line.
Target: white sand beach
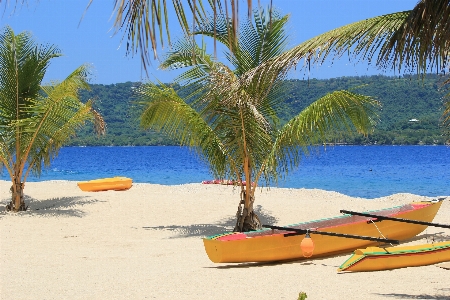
{"x":145,"y":243}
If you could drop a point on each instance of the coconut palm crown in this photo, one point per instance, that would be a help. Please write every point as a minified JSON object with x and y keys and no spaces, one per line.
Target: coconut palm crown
{"x":35,"y":120}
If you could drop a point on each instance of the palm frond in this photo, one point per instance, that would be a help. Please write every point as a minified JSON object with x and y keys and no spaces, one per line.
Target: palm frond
{"x":165,"y":111}
{"x":423,"y":40}
{"x":238,"y":119}
{"x":56,"y":115}
{"x":23,"y":66}
{"x":188,"y":55}
{"x":339,"y":111}
{"x":364,"y":40}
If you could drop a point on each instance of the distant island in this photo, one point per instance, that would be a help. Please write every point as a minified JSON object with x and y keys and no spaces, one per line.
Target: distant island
{"x":410,"y":115}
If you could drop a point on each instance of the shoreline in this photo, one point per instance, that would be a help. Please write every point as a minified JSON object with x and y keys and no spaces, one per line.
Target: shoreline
{"x":146,"y":242}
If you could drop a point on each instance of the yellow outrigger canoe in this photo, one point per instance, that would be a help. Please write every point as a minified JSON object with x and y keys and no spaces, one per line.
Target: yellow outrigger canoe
{"x":377,"y":259}
{"x":283,"y":243}
{"x":105,"y":184}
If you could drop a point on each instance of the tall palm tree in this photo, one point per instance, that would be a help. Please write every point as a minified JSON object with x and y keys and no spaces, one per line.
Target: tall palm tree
{"x":35,"y":120}
{"x":232,"y":122}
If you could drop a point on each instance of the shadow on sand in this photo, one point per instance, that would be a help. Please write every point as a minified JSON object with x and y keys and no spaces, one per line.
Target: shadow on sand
{"x":429,"y":238}
{"x":422,"y":296}
{"x":63,"y":206}
{"x":201,"y":230}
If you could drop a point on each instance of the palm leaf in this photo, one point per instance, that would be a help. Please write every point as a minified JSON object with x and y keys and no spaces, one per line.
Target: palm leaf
{"x":423,"y":39}
{"x":56,"y":115}
{"x":165,"y":111}
{"x":339,"y":111}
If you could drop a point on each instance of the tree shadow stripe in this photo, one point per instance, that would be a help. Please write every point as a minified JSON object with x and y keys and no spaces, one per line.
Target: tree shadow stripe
{"x":201,"y":230}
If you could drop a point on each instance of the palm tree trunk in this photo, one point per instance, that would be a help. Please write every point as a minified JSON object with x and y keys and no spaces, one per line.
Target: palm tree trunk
{"x":17,"y":202}
{"x":247,"y":219}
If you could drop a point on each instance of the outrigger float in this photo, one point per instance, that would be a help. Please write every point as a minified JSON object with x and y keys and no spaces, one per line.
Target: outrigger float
{"x":331,"y":236}
{"x":387,"y":258}
{"x":378,"y":259}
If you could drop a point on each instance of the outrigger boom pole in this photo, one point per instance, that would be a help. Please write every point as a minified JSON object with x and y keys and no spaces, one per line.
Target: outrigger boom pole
{"x":394,"y":219}
{"x":343,"y":235}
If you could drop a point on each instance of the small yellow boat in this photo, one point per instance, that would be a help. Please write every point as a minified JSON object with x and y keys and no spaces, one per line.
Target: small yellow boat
{"x":279,"y":244}
{"x":106,"y":184}
{"x":377,"y":259}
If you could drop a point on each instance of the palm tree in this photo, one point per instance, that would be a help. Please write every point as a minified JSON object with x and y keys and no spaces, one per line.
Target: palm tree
{"x":232,"y":122}
{"x":35,"y":120}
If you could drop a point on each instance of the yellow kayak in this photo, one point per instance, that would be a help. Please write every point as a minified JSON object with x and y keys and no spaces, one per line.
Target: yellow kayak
{"x":277,"y":245}
{"x":105,"y":184}
{"x":377,"y":259}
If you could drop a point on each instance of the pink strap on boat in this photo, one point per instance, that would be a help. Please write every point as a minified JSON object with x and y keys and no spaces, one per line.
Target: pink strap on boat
{"x":419,"y":205}
{"x":232,"y":237}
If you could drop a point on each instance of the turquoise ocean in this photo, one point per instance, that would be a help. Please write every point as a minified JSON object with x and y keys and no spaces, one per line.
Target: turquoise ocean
{"x":357,"y":171}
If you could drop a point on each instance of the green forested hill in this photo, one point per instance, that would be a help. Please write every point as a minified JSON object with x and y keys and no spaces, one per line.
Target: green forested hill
{"x":403,"y":99}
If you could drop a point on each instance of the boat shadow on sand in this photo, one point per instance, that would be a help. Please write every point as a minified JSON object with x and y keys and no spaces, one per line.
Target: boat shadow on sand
{"x":51,"y":207}
{"x":203,"y":230}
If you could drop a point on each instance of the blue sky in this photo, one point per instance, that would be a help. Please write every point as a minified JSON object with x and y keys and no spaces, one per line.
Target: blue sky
{"x":93,"y":40}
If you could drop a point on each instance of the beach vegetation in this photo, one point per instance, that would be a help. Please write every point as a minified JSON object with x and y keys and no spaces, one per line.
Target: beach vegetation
{"x":232,"y":121}
{"x":302,"y":296}
{"x":36,"y":120}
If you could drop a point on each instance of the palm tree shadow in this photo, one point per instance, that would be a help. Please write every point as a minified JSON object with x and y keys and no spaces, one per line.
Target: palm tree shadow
{"x":202,"y":230}
{"x":60,"y":206}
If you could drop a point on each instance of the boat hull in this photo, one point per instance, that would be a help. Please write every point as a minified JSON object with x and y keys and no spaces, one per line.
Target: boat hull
{"x":105,"y":184}
{"x":377,"y":259}
{"x":272,"y":245}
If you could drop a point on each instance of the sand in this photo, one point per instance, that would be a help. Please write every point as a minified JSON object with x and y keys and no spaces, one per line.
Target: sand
{"x":145,"y":243}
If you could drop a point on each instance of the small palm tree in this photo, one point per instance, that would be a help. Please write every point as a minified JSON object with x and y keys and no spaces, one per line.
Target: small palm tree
{"x":35,"y":120}
{"x":232,"y":121}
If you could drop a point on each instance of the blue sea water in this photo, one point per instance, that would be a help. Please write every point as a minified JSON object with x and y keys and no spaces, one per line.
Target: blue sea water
{"x":358,"y":171}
